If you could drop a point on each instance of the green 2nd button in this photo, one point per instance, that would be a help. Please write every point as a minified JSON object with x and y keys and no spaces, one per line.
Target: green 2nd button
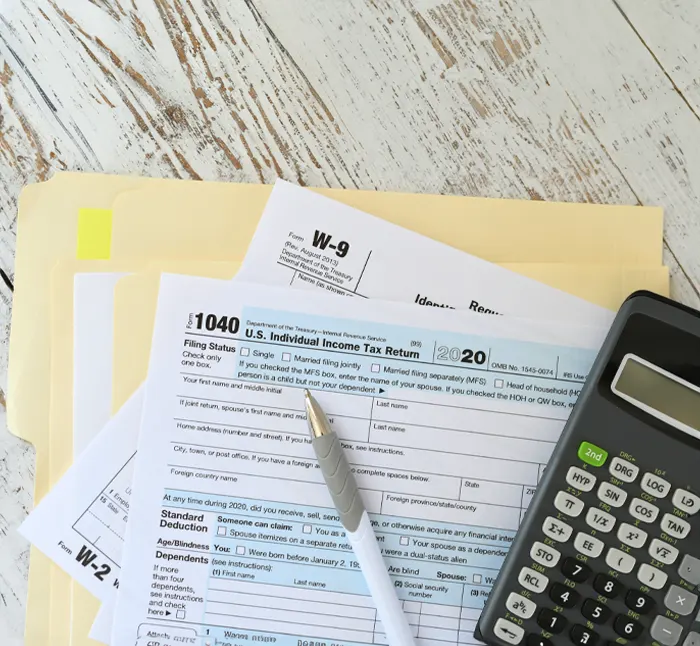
{"x":592,"y":454}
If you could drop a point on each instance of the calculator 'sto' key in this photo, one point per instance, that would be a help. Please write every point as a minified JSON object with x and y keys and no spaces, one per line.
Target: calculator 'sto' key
{"x":609,"y":549}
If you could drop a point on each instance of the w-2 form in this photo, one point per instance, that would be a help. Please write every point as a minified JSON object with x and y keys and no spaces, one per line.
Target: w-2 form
{"x":447,"y":419}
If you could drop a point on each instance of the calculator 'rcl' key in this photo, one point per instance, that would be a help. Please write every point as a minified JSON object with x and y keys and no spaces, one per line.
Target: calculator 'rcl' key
{"x":588,"y":545}
{"x":655,"y":486}
{"x":620,"y":561}
{"x":574,"y":570}
{"x":663,"y":552}
{"x":651,"y":576}
{"x":551,"y":621}
{"x":674,"y":526}
{"x":520,"y":606}
{"x":631,"y":535}
{"x":544,"y":554}
{"x":532,"y":580}
{"x":626,"y":627}
{"x":639,"y":602}
{"x":580,"y":479}
{"x":689,"y":570}
{"x":665,"y":631}
{"x":623,"y":470}
{"x":508,"y":631}
{"x":557,"y":530}
{"x":643,"y":510}
{"x":600,"y":520}
{"x":611,"y":495}
{"x":686,"y":501}
{"x":568,"y":504}
{"x":595,"y":612}
{"x":563,"y":595}
{"x":582,"y":636}
{"x":607,"y":586}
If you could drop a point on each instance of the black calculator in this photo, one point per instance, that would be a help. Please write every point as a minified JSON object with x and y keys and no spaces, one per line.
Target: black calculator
{"x":609,"y":549}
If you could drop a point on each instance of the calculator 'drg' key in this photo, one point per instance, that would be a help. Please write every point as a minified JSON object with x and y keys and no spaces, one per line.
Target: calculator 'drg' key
{"x":609,"y":550}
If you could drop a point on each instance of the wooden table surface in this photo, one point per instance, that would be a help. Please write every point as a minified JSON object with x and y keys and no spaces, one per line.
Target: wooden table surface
{"x":574,"y":100}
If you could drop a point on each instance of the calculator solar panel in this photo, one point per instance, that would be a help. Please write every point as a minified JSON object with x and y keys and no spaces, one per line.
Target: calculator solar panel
{"x":609,"y":550}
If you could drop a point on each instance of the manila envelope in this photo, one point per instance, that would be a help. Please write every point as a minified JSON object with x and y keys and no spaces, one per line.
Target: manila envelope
{"x":48,"y":231}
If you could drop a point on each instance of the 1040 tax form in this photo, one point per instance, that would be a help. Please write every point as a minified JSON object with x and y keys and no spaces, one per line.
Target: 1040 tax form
{"x":447,"y":418}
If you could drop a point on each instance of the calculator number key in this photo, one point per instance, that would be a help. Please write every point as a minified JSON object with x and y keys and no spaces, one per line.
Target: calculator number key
{"x":564,"y":596}
{"x":686,"y":501}
{"x":520,"y":606}
{"x":574,"y":570}
{"x":606,"y":586}
{"x":643,"y":510}
{"x":631,"y":535}
{"x":655,"y":486}
{"x":551,"y":621}
{"x":611,"y":495}
{"x":600,"y":520}
{"x":544,"y":554}
{"x":623,"y":470}
{"x":663,"y":552}
{"x":532,"y":580}
{"x":582,"y":636}
{"x":595,"y":612}
{"x":508,"y":631}
{"x":639,"y":602}
{"x":588,"y":545}
{"x":557,"y":530}
{"x":674,"y":526}
{"x":580,"y":479}
{"x":620,"y":561}
{"x":627,"y":628}
{"x":568,"y":504}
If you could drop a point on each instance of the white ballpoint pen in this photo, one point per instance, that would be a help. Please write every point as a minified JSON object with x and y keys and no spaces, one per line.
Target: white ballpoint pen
{"x":358,"y":528}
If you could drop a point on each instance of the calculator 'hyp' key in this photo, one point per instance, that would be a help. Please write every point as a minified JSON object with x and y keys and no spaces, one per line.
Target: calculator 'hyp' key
{"x":580,"y":479}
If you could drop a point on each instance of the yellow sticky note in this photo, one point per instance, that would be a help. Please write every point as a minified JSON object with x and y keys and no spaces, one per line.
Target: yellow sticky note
{"x":94,"y":234}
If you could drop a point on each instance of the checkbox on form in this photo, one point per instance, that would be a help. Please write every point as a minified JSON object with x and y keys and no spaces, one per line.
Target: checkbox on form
{"x":375,"y":367}
{"x":221,"y":531}
{"x":403,"y":540}
{"x":245,"y":352}
{"x":476,"y":578}
{"x":240,"y":550}
{"x":180,"y":614}
{"x":306,"y":529}
{"x":286,"y":356}
{"x":498,"y":383}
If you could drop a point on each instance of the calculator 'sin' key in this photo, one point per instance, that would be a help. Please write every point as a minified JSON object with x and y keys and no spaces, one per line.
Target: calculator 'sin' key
{"x":612,"y":495}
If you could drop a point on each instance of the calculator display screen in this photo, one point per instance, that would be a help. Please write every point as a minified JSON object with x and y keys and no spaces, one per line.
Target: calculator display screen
{"x":659,"y":393}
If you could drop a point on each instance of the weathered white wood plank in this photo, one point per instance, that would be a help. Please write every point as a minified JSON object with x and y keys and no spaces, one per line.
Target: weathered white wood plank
{"x":669,"y":29}
{"x":542,"y":99}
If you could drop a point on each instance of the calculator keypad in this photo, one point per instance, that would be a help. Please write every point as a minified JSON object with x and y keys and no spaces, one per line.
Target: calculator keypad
{"x":611,"y":564}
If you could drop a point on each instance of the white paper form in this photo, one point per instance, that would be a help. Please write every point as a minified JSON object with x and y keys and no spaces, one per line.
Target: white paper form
{"x":448,"y":419}
{"x":101,"y":630}
{"x":93,"y":329}
{"x":307,"y":240}
{"x":80,"y":524}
